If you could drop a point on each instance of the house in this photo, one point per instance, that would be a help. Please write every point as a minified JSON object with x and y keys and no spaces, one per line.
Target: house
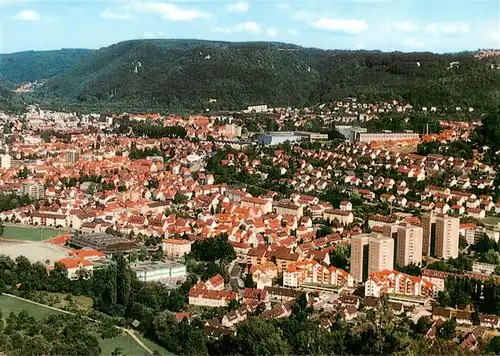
{"x":256,"y":295}
{"x":489,"y":321}
{"x":215,"y":283}
{"x":343,"y":217}
{"x":441,"y":313}
{"x":289,"y":208}
{"x":346,"y":206}
{"x":477,"y":213}
{"x":202,"y":294}
{"x":76,"y":266}
{"x":89,"y":254}
{"x":176,"y":248}
{"x":463,"y":317}
{"x":348,"y":312}
{"x":282,"y":294}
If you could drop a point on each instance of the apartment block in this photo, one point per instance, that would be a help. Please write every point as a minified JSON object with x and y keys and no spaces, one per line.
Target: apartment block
{"x":371,"y":253}
{"x":409,"y":245}
{"x":447,"y":236}
{"x":381,"y":254}
{"x":440,"y":235}
{"x":32,"y":189}
{"x":359,"y":257}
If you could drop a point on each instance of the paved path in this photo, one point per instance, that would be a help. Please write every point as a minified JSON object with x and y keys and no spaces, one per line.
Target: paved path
{"x":128,"y":331}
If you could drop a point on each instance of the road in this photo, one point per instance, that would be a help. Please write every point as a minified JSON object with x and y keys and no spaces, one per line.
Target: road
{"x":235,"y":273}
{"x":128,"y":331}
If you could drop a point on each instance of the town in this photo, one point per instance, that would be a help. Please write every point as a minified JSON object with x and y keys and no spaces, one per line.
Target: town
{"x":246,"y":215}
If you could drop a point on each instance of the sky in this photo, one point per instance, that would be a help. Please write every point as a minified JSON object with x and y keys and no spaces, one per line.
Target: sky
{"x":436,"y":26}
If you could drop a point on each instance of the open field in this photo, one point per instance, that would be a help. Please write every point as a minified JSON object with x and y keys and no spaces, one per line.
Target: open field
{"x":58,"y":300}
{"x":29,"y":233}
{"x":33,"y":251}
{"x":129,"y":346}
{"x":125,"y":341}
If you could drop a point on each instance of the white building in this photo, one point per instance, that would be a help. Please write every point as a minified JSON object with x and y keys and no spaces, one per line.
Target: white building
{"x":170,"y":272}
{"x":5,"y":161}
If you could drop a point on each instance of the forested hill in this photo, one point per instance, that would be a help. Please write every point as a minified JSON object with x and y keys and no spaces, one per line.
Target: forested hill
{"x":195,"y":74}
{"x":30,"y":66}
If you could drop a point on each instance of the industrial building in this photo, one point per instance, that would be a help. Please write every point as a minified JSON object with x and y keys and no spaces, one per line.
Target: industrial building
{"x":103,"y":242}
{"x":349,"y":132}
{"x":385,"y":136}
{"x":277,"y":137}
{"x":168,"y":272}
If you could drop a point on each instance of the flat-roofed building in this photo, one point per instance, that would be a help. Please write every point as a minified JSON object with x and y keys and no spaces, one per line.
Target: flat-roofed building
{"x":168,"y":272}
{"x":103,"y":242}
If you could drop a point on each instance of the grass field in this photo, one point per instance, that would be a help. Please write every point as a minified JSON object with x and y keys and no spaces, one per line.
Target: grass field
{"x":29,"y":234}
{"x":125,"y":342}
{"x":8,"y":304}
{"x":492,"y":220}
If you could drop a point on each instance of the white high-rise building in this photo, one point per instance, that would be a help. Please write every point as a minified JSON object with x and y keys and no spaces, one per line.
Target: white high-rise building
{"x":5,"y":161}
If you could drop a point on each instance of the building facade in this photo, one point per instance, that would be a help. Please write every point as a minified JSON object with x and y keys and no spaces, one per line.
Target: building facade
{"x":409,"y":245}
{"x":440,"y":235}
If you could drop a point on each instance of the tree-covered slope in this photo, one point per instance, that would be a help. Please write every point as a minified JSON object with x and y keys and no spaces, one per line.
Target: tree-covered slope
{"x":188,"y":73}
{"x":21,"y":67}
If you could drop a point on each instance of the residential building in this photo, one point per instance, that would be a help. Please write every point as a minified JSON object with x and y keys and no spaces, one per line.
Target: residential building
{"x":77,"y":266}
{"x":176,"y":248}
{"x":5,"y":161}
{"x":447,"y":236}
{"x":381,"y":254}
{"x":289,"y":208}
{"x":311,"y":272}
{"x":72,"y":156}
{"x":440,"y":235}
{"x":33,"y":189}
{"x":371,"y":253}
{"x":408,"y":245}
{"x":210,"y":294}
{"x":359,"y":257}
{"x":394,"y":282}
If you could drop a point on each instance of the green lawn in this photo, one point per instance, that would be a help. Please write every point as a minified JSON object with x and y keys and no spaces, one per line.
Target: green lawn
{"x":125,"y":342}
{"x":29,"y":234}
{"x":492,"y":220}
{"x":129,"y":346}
{"x":8,"y":304}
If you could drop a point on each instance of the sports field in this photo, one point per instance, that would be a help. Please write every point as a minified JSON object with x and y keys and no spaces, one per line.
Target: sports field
{"x":125,"y":341}
{"x":29,"y":233}
{"x":33,"y":251}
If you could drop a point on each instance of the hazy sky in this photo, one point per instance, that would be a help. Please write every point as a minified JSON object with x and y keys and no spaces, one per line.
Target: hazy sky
{"x":387,"y":25}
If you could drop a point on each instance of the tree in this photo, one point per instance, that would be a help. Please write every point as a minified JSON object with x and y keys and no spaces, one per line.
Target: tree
{"x":411,"y":269}
{"x":340,"y":256}
{"x":123,"y":281}
{"x":447,"y":330}
{"x":249,"y":283}
{"x":493,"y":346}
{"x":258,"y":337}
{"x":118,"y":351}
{"x":213,"y":249}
